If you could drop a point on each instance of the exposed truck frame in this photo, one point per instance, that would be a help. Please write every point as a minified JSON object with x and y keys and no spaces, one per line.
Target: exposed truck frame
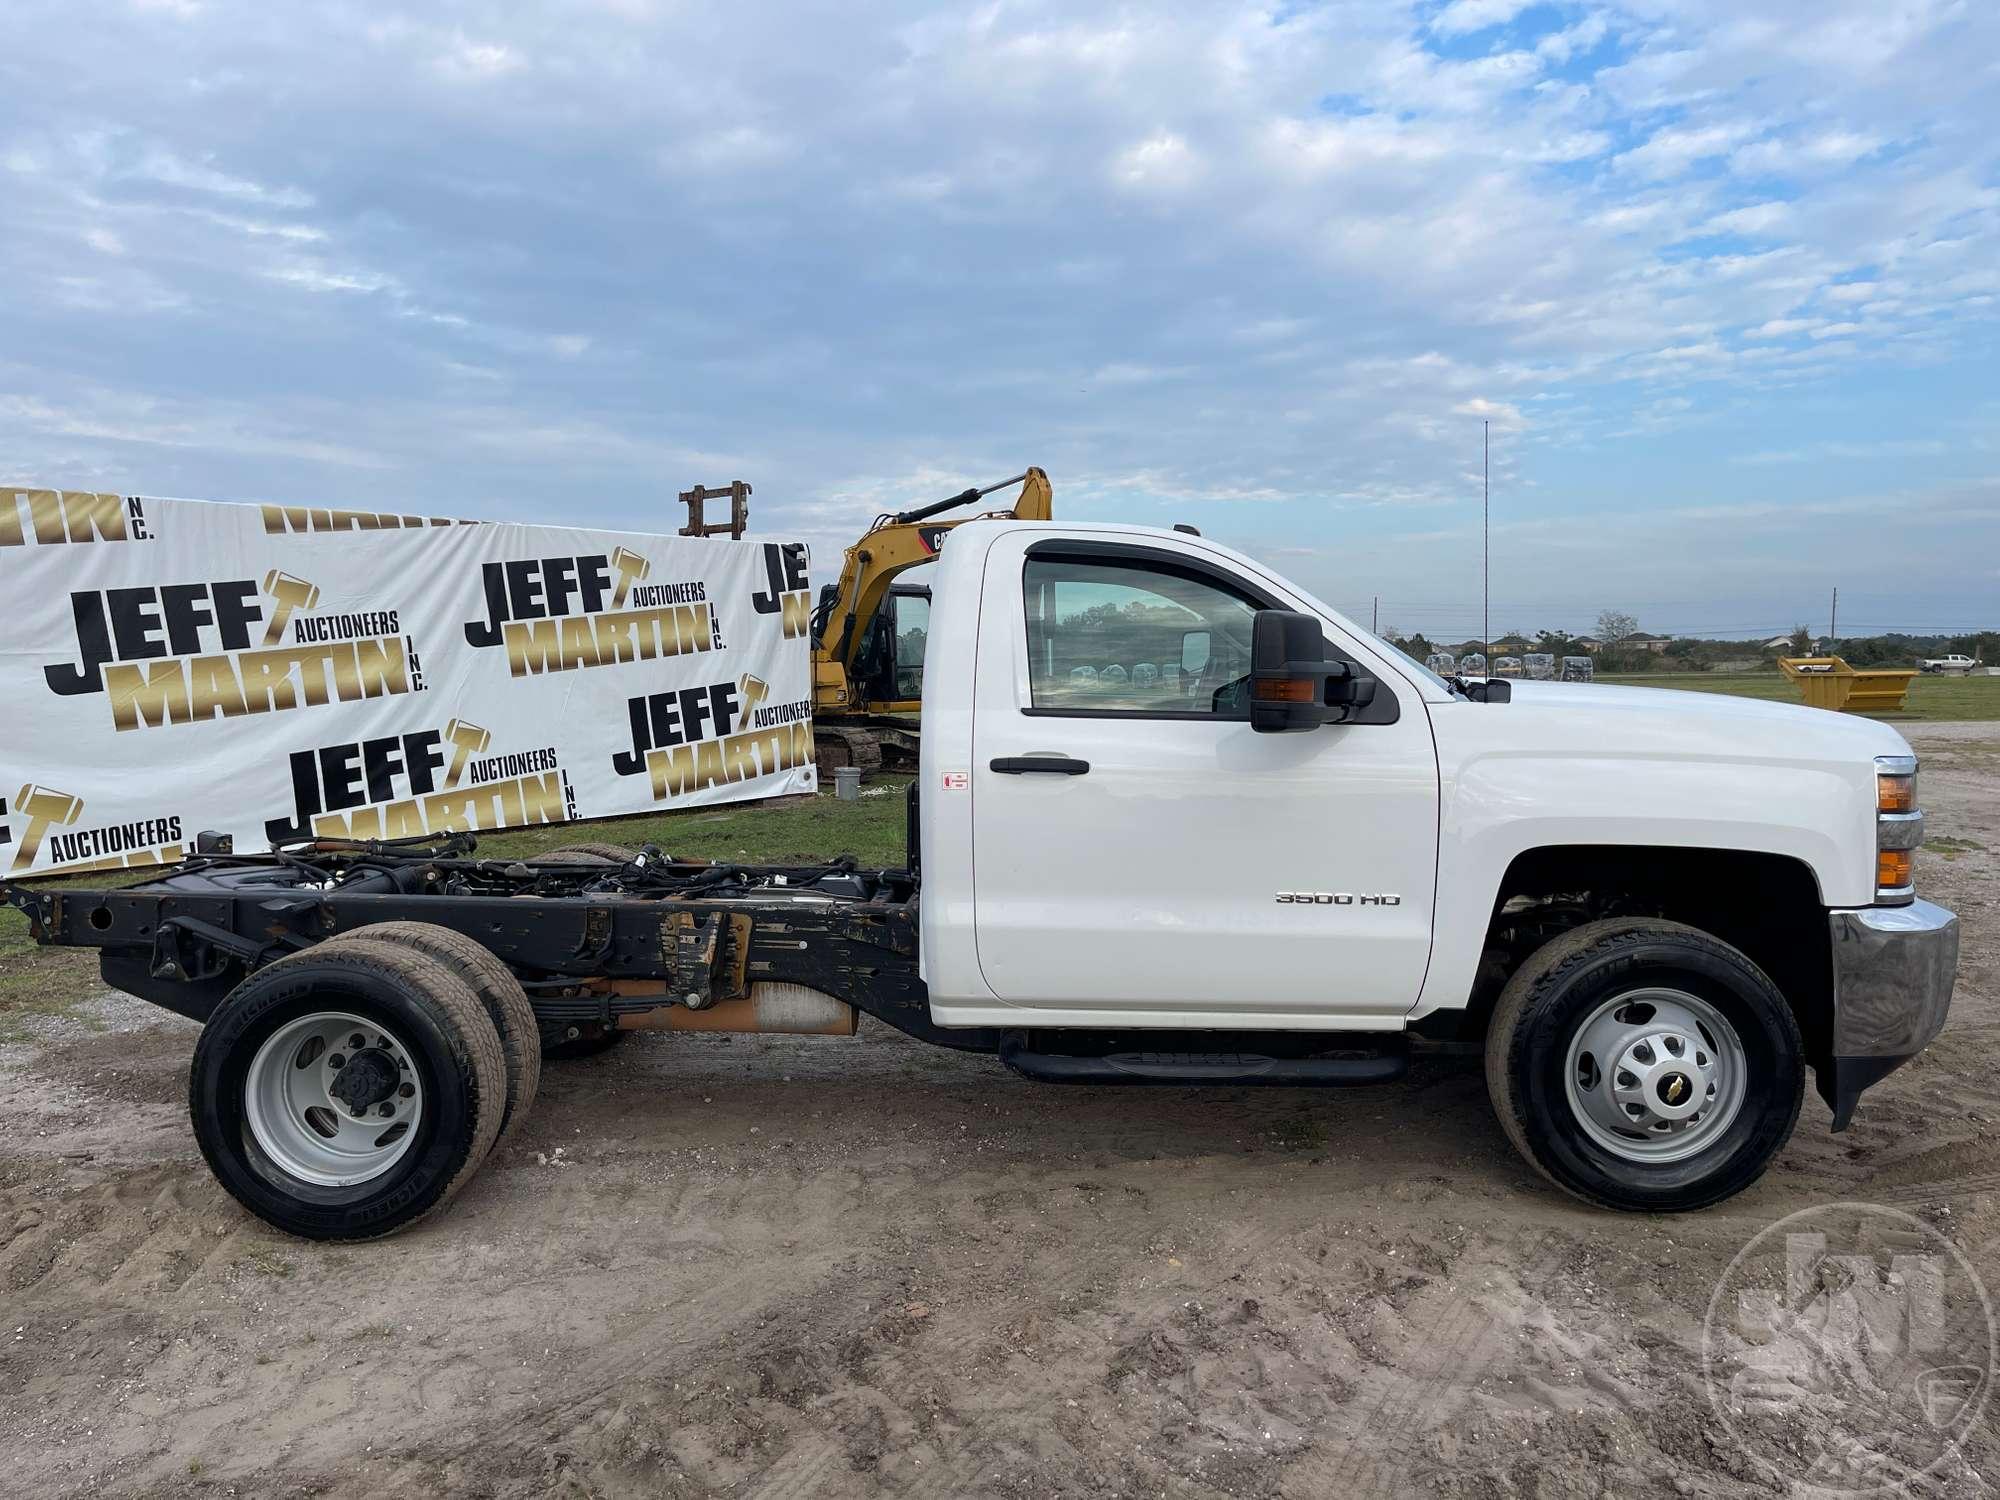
{"x":602,"y":945}
{"x":593,"y":944}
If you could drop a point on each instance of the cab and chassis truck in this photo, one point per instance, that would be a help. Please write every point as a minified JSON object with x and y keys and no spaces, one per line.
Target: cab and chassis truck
{"x":1177,"y":822}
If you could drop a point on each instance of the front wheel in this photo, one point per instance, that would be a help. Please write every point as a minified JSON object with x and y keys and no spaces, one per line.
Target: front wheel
{"x":1645,"y":1065}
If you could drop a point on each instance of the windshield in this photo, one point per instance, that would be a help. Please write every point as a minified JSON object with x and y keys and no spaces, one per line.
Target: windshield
{"x":1410,"y":662}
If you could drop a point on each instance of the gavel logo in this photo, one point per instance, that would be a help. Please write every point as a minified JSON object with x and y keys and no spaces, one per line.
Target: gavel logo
{"x":467,"y":740}
{"x":631,"y":569}
{"x":287,"y":594}
{"x":753,"y":690}
{"x":42,"y":807}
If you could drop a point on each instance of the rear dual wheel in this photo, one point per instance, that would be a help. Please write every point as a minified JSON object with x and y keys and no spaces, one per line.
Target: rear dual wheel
{"x":500,"y":993}
{"x":345,"y":1092}
{"x":1641,"y":1064}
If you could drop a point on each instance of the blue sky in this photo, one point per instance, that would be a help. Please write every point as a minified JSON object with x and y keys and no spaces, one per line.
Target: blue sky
{"x":1723,"y":277}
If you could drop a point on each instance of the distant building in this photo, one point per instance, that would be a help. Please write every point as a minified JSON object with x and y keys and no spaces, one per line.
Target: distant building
{"x":1644,"y":640}
{"x":1784,"y":643}
{"x":1585,"y":642}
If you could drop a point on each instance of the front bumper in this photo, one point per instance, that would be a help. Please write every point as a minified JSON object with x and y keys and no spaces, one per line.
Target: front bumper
{"x":1893,"y":969}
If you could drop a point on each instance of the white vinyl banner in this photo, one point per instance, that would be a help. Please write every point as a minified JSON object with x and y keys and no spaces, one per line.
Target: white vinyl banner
{"x":278,"y":672}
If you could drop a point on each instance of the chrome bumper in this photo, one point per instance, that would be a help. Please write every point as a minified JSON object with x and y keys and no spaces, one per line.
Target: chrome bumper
{"x":1893,"y":969}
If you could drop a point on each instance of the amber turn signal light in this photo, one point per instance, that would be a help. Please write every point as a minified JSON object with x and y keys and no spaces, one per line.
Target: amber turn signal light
{"x":1282,"y":690}
{"x":1895,"y":794}
{"x":1895,"y":869}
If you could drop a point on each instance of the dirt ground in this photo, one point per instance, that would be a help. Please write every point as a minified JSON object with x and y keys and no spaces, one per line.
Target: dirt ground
{"x":790,"y":1268}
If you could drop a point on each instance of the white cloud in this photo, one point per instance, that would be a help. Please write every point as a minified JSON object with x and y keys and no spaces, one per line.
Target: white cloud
{"x":1561,"y":46}
{"x":1754,"y":219}
{"x":1504,"y":415}
{"x":314,"y":277}
{"x":1161,"y":162}
{"x":1462,"y":16}
{"x":1673,"y":151}
{"x":476,"y":61}
{"x":1817,"y":152}
{"x":158,"y":164}
{"x":733,"y":148}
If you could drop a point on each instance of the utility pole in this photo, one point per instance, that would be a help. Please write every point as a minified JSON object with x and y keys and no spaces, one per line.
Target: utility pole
{"x":1486,"y":542}
{"x":1832,"y":619}
{"x":1375,"y":616}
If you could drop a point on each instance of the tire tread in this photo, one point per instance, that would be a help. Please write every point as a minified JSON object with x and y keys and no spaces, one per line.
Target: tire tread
{"x":483,"y":1066}
{"x":498,"y":990}
{"x":1543,"y":971}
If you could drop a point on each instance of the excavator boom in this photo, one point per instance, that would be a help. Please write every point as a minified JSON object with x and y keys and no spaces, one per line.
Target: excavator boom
{"x":846,"y":696}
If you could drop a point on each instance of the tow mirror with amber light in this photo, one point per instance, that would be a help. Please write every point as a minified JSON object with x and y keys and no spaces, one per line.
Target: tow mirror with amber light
{"x":1292,"y":684}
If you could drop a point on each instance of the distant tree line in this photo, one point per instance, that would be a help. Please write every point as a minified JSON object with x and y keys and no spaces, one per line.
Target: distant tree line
{"x":1620,"y":646}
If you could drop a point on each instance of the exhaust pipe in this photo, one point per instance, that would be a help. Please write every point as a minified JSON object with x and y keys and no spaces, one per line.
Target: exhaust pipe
{"x":788,"y":1009}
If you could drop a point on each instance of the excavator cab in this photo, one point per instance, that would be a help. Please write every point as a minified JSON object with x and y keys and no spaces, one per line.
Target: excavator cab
{"x":889,"y":668}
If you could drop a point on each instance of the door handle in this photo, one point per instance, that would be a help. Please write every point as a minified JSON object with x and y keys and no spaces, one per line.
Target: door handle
{"x":1050,"y":765}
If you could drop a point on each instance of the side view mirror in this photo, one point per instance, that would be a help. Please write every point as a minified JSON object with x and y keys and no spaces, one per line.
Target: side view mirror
{"x":1292,"y":684}
{"x":1195,"y":645}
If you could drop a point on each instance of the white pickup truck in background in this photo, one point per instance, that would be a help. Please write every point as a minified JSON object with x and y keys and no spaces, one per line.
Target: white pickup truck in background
{"x":1956,"y":662}
{"x":1177,"y":822}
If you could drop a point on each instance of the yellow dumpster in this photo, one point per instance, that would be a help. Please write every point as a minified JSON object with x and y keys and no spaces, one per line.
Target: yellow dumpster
{"x":1829,"y":682}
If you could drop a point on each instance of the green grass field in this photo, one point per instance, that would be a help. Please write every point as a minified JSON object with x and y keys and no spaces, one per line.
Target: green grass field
{"x":792,"y":831}
{"x":1935,"y":698}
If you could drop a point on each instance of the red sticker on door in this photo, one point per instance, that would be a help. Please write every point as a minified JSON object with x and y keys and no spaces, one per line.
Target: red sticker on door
{"x":956,"y":781}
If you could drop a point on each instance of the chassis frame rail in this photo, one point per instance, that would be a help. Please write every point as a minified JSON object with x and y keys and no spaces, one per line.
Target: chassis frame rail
{"x":581,"y":957}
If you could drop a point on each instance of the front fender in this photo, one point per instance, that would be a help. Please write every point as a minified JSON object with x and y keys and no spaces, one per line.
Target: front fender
{"x":1499,"y":804}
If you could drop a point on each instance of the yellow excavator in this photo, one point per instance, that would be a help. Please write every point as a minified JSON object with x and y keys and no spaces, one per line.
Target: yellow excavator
{"x":868,"y":631}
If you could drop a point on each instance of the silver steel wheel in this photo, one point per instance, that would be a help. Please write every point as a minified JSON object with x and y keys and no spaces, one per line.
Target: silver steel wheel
{"x":1656,"y":1075}
{"x":333,"y":1099}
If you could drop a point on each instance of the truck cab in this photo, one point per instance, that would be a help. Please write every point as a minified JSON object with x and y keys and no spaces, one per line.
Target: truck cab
{"x":1109,"y":840}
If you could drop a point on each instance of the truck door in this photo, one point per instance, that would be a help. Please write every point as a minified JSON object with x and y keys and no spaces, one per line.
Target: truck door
{"x":1140,"y":854}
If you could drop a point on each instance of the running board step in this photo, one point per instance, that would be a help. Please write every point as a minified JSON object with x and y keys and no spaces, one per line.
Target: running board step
{"x":1328,"y":1070}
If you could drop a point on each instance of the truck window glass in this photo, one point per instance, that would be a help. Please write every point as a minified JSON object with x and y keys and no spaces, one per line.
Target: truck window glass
{"x":1106,"y":636}
{"x":913,"y":623}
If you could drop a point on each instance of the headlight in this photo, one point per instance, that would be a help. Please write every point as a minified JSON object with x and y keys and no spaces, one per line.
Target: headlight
{"x":1899,"y":828}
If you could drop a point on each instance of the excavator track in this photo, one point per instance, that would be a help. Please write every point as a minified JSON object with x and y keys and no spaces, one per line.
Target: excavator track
{"x":837,"y":746}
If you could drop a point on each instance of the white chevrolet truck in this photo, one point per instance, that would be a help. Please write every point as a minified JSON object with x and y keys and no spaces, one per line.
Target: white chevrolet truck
{"x":1177,"y":823}
{"x":1957,"y":662}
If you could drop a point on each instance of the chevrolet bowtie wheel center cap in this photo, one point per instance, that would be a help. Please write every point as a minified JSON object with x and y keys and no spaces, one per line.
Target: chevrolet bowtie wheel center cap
{"x":1656,"y":1075}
